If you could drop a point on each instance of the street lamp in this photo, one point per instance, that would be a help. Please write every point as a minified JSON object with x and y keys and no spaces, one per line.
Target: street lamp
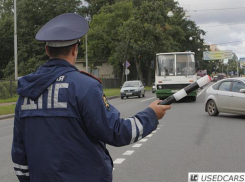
{"x":191,"y":38}
{"x":170,"y":14}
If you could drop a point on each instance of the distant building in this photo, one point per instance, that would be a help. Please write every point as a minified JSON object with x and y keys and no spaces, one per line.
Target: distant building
{"x":100,"y":69}
{"x":214,"y":47}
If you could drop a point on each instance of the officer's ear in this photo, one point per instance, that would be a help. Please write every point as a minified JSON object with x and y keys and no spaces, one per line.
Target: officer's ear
{"x":47,"y":52}
{"x":74,"y":49}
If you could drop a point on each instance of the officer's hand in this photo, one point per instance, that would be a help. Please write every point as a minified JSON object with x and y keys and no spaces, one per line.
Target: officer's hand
{"x":160,"y":110}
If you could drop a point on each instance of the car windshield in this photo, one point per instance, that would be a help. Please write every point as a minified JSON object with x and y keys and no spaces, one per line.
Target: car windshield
{"x":167,"y":66}
{"x":131,"y":84}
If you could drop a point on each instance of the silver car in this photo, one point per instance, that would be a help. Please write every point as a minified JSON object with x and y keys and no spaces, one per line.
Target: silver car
{"x":132,"y":88}
{"x":226,"y":95}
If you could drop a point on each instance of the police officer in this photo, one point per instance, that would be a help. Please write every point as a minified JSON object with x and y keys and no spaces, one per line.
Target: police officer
{"x":63,"y":120}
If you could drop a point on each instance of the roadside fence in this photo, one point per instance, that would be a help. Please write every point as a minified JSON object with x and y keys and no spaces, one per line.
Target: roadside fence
{"x":110,"y":82}
{"x":7,"y":89}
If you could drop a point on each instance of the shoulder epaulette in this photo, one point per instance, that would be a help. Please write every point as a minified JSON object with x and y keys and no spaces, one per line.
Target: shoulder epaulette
{"x":90,"y":75}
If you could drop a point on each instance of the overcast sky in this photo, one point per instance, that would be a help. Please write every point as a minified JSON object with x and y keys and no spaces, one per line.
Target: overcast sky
{"x":222,"y":20}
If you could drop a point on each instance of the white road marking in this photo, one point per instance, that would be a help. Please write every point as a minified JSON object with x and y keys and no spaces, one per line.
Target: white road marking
{"x":148,"y":99}
{"x":118,"y":161}
{"x":137,"y":145}
{"x":154,"y":131}
{"x":128,"y":152}
{"x":150,"y":135}
{"x":158,"y":128}
{"x":203,"y":90}
{"x":143,"y":140}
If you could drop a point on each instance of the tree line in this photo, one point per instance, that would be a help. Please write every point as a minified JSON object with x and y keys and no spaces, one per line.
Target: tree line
{"x":120,"y":30}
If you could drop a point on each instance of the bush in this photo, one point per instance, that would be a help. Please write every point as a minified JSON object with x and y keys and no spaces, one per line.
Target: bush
{"x":7,"y":89}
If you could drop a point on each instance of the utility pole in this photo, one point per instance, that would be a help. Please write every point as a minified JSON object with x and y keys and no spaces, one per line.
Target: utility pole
{"x":86,"y":43}
{"x":237,"y":68}
{"x":15,"y":42}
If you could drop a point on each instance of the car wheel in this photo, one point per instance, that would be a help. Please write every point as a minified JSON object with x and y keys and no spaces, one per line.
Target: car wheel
{"x":212,"y":108}
{"x":122,"y":97}
{"x":193,"y":98}
{"x":143,"y":94}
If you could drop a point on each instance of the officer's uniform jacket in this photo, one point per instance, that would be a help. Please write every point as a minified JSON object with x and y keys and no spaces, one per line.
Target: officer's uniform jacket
{"x":62,"y":123}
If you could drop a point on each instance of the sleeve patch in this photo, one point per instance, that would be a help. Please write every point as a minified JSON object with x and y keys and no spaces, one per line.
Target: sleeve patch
{"x":106,"y":102}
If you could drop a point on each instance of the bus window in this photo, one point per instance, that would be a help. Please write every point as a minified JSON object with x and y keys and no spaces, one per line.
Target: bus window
{"x":185,"y":64}
{"x":165,"y":65}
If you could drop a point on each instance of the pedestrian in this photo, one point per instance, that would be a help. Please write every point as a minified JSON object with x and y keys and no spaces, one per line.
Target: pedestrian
{"x":63,"y":120}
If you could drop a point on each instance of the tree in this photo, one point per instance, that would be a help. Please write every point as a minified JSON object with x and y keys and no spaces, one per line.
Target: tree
{"x":148,"y":35}
{"x":120,"y":30}
{"x":137,"y":30}
{"x":31,"y":16}
{"x":94,"y":6}
{"x":6,"y":34}
{"x":105,"y":41}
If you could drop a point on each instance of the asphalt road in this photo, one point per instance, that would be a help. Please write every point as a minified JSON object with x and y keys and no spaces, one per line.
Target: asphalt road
{"x":187,"y":140}
{"x":7,"y":173}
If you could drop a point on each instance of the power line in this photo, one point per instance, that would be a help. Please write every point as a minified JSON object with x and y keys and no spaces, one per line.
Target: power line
{"x":229,"y":42}
{"x":223,"y":24}
{"x":218,"y":9}
{"x":214,"y":3}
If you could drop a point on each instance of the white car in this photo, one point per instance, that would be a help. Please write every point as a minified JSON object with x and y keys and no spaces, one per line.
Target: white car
{"x":132,"y":88}
{"x":226,"y":95}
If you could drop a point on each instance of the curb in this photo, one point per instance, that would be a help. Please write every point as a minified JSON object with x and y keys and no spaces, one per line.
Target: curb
{"x":7,"y":104}
{"x":113,"y":97}
{"x":6,"y":116}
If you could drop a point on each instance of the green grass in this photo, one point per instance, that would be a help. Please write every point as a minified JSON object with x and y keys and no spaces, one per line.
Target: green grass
{"x":111,"y":92}
{"x":148,"y":88}
{"x":13,"y":99}
{"x":7,"y":109}
{"x":10,"y":108}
